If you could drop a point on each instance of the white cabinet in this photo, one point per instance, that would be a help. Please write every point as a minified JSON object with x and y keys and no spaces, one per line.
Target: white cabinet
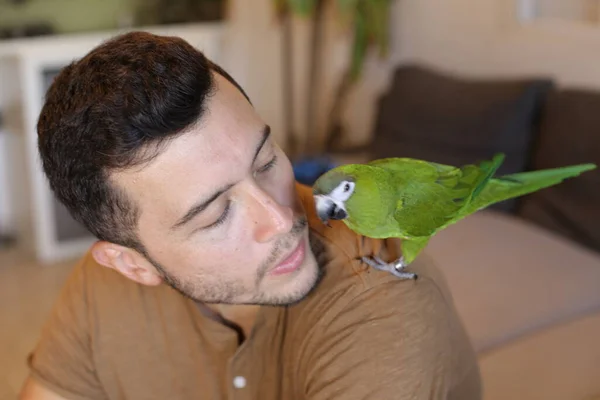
{"x":27,"y":206}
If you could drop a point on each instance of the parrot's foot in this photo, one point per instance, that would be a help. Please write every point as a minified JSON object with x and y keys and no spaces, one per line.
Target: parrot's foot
{"x":395,"y":268}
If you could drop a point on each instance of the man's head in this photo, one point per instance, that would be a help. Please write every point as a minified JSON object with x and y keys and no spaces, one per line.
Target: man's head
{"x":159,"y":153}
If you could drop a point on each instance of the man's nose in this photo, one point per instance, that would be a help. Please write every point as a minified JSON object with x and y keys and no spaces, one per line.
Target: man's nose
{"x":270,"y":218}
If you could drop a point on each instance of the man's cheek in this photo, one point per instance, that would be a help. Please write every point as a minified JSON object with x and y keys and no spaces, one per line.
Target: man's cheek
{"x":282,"y":186}
{"x":292,"y":197}
{"x":289,"y":195}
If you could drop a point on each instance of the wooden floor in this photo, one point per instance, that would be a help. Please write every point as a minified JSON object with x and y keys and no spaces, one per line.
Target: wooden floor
{"x":27,"y":292}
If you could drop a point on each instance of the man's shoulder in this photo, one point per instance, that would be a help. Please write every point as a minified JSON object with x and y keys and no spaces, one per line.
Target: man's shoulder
{"x":102,"y":291}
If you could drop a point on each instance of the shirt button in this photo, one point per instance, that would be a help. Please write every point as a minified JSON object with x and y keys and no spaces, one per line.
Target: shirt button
{"x":239,"y":382}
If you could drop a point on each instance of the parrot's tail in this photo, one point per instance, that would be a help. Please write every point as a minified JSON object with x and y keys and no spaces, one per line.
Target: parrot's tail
{"x":519,"y":184}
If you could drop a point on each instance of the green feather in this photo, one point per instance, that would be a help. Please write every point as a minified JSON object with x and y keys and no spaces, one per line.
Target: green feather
{"x":515,"y":185}
{"x":414,"y":199}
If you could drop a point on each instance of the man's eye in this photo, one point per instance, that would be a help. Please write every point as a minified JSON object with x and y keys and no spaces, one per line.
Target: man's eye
{"x":221,"y":219}
{"x":268,"y":165}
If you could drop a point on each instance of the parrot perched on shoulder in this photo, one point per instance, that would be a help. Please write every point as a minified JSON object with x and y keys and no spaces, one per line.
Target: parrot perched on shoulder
{"x":414,"y":199}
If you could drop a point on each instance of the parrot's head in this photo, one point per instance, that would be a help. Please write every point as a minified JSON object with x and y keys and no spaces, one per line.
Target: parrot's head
{"x":332,"y":191}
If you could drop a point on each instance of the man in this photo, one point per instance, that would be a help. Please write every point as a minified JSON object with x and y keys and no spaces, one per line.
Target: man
{"x":219,"y":280}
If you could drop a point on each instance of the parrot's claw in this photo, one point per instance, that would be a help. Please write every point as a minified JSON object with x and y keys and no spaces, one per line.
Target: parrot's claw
{"x":395,"y":268}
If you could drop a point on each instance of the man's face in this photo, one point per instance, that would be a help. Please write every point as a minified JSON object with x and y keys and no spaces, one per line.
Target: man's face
{"x":220,"y":217}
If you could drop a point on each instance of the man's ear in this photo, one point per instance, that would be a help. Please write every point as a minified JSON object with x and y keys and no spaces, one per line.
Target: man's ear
{"x":126,"y":261}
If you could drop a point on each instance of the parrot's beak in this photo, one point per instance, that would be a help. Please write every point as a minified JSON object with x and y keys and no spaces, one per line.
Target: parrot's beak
{"x":327,"y":209}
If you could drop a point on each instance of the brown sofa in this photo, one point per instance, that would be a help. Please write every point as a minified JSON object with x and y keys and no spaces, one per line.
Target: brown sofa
{"x":526,"y":273}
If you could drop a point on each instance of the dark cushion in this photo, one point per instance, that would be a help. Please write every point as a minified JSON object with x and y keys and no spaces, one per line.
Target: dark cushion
{"x":438,"y":117}
{"x":570,"y":134}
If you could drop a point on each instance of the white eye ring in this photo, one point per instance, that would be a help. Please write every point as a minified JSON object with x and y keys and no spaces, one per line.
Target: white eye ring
{"x":343,"y":191}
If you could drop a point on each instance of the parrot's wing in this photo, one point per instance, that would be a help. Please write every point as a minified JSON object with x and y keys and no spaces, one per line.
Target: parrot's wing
{"x":464,"y":182}
{"x":522,"y":183}
{"x":488,"y":169}
{"x":476,"y":175}
{"x":433,"y":194}
{"x":408,"y":165}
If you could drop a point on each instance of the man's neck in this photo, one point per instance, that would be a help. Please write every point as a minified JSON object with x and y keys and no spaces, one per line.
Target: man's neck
{"x":239,"y":317}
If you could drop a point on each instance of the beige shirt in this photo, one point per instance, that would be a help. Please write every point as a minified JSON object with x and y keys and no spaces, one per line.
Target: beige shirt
{"x":361,"y":334}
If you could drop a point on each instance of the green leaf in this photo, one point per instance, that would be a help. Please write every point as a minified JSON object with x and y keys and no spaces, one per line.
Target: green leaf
{"x":304,"y":8}
{"x":347,"y":6}
{"x":360,"y":45}
{"x":378,"y":14}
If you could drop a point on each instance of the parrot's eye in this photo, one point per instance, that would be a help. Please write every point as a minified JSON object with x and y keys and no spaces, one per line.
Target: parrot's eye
{"x":343,"y":191}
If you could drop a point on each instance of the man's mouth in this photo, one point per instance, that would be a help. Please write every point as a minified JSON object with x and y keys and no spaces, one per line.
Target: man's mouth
{"x":292,"y":262}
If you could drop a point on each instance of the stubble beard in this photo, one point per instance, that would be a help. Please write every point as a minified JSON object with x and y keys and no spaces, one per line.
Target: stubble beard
{"x":229,"y":292}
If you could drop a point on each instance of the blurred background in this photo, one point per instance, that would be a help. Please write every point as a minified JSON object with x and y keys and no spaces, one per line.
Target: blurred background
{"x":452,"y":81}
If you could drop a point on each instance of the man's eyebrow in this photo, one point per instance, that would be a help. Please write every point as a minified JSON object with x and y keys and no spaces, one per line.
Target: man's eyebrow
{"x":203,"y":204}
{"x":199,"y":207}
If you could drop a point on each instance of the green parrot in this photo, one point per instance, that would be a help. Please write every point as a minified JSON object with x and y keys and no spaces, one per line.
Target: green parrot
{"x":414,"y":199}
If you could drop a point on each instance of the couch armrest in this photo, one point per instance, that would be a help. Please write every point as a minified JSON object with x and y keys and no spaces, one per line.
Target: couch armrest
{"x":510,"y":277}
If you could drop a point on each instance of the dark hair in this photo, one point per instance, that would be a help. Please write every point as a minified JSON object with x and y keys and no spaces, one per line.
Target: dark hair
{"x":113,"y":109}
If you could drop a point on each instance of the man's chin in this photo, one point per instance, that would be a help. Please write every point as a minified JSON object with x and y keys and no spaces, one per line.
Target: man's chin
{"x":307,"y":277}
{"x":297,"y":286}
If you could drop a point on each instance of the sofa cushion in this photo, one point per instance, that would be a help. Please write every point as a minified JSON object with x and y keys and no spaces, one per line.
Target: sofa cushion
{"x":560,"y":363}
{"x":510,"y":277}
{"x":570,"y":134}
{"x":434,"y":116}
